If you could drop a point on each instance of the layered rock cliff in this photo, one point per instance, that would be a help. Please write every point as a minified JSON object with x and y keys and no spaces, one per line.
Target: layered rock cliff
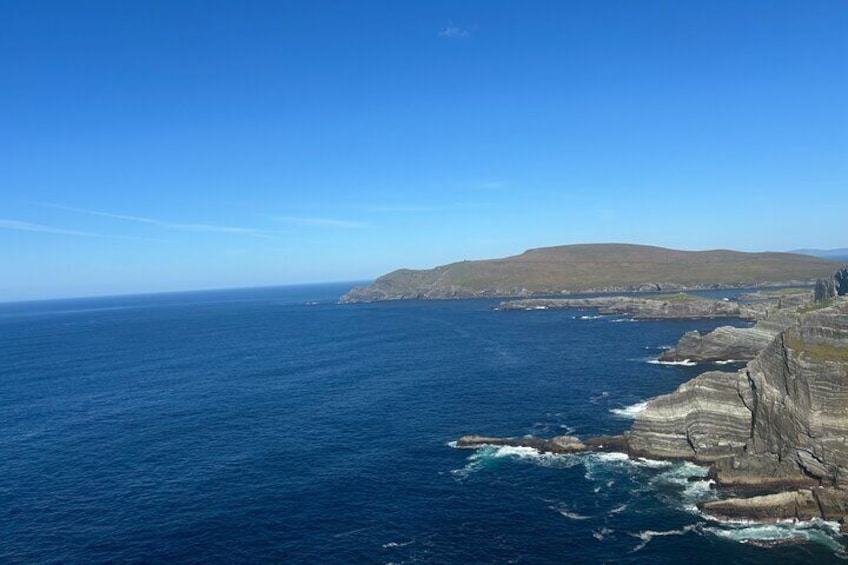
{"x":780,"y":423}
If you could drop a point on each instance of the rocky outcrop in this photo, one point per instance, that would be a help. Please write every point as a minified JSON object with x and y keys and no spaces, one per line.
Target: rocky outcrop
{"x":658,"y":307}
{"x":825,"y":503}
{"x":559,"y":444}
{"x":774,"y":313}
{"x":726,"y":343}
{"x":793,"y":505}
{"x":831,"y":287}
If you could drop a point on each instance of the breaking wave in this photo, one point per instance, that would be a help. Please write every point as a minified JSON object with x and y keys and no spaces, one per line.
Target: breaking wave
{"x":631,"y":411}
{"x":684,"y":363}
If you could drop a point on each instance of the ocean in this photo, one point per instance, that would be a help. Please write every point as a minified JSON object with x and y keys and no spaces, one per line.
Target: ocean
{"x":276,"y":426}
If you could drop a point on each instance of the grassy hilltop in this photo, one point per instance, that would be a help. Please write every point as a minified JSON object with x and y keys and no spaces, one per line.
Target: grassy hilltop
{"x":595,"y":267}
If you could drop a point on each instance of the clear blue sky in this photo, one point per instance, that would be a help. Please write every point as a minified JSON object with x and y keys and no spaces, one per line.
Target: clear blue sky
{"x":148,"y":146}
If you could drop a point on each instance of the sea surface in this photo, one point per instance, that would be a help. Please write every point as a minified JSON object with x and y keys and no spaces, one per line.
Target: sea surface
{"x":276,"y":426}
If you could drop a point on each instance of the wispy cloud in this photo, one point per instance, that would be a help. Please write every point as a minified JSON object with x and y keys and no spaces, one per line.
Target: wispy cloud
{"x":18,"y":225}
{"x":493,"y":185}
{"x":402,"y":209}
{"x":453,"y":31}
{"x":323,"y":222}
{"x":177,"y":226}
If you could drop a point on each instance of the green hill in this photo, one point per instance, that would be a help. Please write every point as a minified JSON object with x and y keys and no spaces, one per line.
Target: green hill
{"x":605,"y":267}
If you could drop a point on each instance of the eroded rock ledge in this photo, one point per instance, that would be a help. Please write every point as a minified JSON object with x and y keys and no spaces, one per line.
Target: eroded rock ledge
{"x":774,"y":311}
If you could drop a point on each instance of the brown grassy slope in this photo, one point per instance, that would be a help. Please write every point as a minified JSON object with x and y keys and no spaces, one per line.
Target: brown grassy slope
{"x":594,"y":266}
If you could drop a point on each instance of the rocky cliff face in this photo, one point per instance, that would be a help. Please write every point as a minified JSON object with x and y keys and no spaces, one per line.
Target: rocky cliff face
{"x":705,"y":419}
{"x":725,"y":343}
{"x":782,"y":422}
{"x":793,"y":400}
{"x":741,"y":344}
{"x":831,"y":287}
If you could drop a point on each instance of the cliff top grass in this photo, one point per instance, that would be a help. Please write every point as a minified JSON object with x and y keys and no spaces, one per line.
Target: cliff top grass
{"x":679,"y":297}
{"x":792,"y":291}
{"x":815,"y":306}
{"x":819,"y":352}
{"x":600,"y":266}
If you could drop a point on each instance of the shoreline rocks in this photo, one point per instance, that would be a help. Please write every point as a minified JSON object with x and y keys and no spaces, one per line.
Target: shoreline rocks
{"x":558,"y":444}
{"x":658,"y":307}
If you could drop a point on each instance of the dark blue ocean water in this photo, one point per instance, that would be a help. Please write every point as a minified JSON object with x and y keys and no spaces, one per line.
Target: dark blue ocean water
{"x":275,"y":426}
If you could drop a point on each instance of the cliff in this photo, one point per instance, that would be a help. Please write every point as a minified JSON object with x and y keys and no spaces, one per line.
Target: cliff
{"x":594,"y":268}
{"x":780,"y":423}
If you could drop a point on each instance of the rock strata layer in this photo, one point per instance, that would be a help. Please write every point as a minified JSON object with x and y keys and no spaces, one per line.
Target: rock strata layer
{"x":726,"y":343}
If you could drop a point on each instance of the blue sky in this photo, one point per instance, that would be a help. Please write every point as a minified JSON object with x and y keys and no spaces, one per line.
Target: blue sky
{"x":151,"y":146}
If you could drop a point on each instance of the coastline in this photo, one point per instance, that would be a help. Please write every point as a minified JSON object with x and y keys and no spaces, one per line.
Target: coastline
{"x":747,"y":427}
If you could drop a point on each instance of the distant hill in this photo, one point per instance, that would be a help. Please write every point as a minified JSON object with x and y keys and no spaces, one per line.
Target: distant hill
{"x":604,"y":267}
{"x":832,"y":254}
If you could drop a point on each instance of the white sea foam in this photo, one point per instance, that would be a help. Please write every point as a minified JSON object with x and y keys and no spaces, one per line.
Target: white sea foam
{"x":630,"y":411}
{"x":597,"y":397}
{"x":623,"y":320}
{"x":452,"y":444}
{"x":588,"y":317}
{"x":691,"y":482}
{"x":815,"y":531}
{"x":613,"y":456}
{"x":393,"y":544}
{"x":652,"y":463}
{"x":684,"y":363}
{"x":573,"y":515}
{"x":601,"y":533}
{"x":618,"y":509}
{"x":516,"y":451}
{"x":647,"y":535}
{"x":489,"y":455}
{"x":728,"y":361}
{"x":598,"y":465}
